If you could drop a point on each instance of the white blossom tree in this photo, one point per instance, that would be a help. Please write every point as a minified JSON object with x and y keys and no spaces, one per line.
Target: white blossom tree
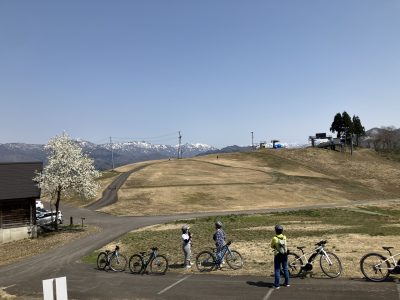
{"x":69,"y":171}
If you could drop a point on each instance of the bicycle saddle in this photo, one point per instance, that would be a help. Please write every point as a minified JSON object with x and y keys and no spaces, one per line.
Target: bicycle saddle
{"x":387,"y":248}
{"x":142,"y":253}
{"x":154,"y":248}
{"x":300,"y":248}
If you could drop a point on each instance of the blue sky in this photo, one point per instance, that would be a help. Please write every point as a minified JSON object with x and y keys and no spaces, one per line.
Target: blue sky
{"x":215,"y":70}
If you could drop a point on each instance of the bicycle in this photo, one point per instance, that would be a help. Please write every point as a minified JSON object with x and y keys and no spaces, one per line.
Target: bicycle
{"x":206,"y":261}
{"x":376,"y":267}
{"x":329,"y":262}
{"x":112,"y":259}
{"x":158,"y":263}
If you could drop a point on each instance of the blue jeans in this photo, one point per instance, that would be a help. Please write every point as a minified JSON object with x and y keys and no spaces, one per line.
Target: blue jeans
{"x":281,"y":260}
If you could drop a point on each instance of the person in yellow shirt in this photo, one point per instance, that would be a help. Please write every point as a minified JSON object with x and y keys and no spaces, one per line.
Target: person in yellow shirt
{"x":278,"y":243}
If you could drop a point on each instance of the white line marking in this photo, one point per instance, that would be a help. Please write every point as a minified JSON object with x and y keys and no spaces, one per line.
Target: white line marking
{"x":172,"y":285}
{"x":268,"y":294}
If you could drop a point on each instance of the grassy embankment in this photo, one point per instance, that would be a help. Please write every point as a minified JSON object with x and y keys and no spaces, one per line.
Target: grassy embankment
{"x":257,"y":180}
{"x":350,"y":233}
{"x":268,"y":179}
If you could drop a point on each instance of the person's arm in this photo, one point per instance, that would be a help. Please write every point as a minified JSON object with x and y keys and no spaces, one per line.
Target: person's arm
{"x":273,"y":243}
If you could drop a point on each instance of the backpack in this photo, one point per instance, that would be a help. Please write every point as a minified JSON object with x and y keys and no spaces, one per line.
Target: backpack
{"x":282,"y":247}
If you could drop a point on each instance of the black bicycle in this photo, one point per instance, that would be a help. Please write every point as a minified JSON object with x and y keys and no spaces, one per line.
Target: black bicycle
{"x":112,"y":259}
{"x":158,"y":263}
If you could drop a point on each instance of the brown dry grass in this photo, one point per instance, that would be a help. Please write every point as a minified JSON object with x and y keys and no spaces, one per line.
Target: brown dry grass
{"x":258,"y":255}
{"x":18,"y":250}
{"x":258,"y":180}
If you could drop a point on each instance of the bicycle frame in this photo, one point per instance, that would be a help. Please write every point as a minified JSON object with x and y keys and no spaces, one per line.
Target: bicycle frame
{"x":152,"y":256}
{"x":392,"y":261}
{"x":110,"y":254}
{"x":317,"y":251}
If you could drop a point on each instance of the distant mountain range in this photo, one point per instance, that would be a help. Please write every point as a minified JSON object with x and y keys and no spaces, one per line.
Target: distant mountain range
{"x":124,"y":153}
{"x":131,"y":152}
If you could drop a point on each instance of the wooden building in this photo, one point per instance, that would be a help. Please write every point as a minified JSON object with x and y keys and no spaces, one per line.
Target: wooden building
{"x":18,"y":193}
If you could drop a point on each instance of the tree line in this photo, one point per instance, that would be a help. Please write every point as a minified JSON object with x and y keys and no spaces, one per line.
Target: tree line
{"x":347,"y":127}
{"x":386,"y":138}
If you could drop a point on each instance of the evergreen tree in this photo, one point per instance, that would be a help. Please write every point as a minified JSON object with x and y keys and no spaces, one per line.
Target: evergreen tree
{"x":359,"y":130}
{"x":337,"y":125}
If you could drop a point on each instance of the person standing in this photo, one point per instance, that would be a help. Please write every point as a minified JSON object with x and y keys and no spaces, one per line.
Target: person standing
{"x":278,"y":243}
{"x":219,"y":238}
{"x":187,"y":246}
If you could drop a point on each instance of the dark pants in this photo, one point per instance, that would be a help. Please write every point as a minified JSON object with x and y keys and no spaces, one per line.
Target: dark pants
{"x":281,"y":260}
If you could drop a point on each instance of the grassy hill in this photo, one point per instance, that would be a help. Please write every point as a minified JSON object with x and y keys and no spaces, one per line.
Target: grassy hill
{"x":255,"y":180}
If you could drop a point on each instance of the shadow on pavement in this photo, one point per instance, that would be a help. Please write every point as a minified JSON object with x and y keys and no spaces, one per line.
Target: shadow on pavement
{"x":176,"y":266}
{"x":261,"y":284}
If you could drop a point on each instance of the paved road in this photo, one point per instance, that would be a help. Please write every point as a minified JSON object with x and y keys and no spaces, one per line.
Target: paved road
{"x":85,"y":282}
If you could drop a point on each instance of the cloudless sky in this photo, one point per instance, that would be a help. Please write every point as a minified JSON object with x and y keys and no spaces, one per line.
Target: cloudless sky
{"x":215,"y":70}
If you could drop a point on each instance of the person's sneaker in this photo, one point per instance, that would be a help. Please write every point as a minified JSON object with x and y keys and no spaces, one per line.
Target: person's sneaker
{"x":277,"y":287}
{"x":287,"y":285}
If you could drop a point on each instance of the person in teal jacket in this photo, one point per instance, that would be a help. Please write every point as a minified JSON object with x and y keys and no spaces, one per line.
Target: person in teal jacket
{"x":278,"y":243}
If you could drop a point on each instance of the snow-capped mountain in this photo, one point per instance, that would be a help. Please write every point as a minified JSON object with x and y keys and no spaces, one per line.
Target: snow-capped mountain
{"x":123,"y":153}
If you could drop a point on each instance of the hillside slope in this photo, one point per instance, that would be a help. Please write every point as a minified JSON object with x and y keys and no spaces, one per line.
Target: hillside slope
{"x":256,"y":180}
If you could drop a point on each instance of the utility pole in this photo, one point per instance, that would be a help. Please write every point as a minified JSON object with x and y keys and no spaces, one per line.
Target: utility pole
{"x":179,"y":147}
{"x":112,"y":153}
{"x":252,"y":140}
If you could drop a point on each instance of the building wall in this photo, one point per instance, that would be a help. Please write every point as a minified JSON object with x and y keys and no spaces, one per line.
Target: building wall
{"x":17,"y":220}
{"x":18,"y":233}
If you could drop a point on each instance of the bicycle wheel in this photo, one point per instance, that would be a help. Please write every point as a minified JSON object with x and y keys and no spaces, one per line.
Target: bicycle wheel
{"x":159,"y":265}
{"x":375,"y":267}
{"x":136,"y":264}
{"x":102,"y":261}
{"x":295,"y":263}
{"x":331,"y":269}
{"x":118,"y":263}
{"x":234,"y":259}
{"x":205,"y":261}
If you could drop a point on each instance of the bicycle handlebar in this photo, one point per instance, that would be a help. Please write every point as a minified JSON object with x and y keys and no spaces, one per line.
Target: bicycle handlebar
{"x":321,"y":243}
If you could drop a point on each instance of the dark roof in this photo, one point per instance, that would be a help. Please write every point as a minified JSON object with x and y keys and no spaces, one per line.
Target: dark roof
{"x":16,"y":180}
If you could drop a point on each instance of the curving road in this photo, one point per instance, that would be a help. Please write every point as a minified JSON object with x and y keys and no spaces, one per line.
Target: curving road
{"x":24,"y":278}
